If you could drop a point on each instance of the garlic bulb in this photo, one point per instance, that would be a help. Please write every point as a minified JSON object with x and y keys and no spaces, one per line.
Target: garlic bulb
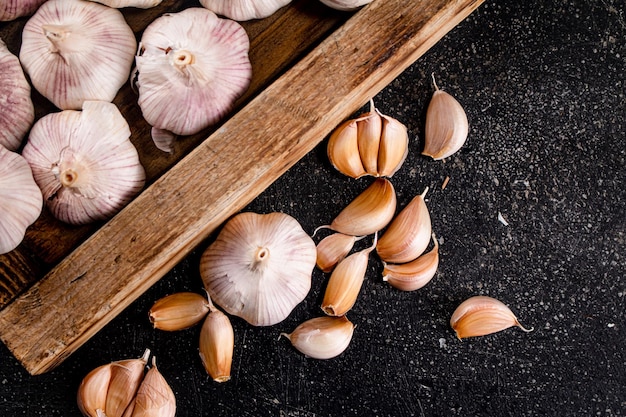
{"x":17,"y":112}
{"x":189,"y":79}
{"x":244,"y":9}
{"x":20,"y":199}
{"x":481,"y":315}
{"x":322,"y":337}
{"x":75,"y":50}
{"x":84,"y":162}
{"x":140,"y":4}
{"x":12,"y":9}
{"x":345,"y":5}
{"x":259,"y":267}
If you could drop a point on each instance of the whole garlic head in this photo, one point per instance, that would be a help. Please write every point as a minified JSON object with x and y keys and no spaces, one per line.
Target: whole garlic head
{"x":345,"y":5}
{"x":20,"y":199}
{"x":75,"y":50}
{"x":244,"y":9}
{"x":259,"y":267}
{"x":12,"y":9}
{"x":84,"y":162}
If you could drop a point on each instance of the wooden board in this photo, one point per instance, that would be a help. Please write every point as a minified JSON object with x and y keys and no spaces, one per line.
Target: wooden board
{"x":123,"y":258}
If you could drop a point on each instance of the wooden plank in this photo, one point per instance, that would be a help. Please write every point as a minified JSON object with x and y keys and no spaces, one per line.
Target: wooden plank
{"x":288,"y":119}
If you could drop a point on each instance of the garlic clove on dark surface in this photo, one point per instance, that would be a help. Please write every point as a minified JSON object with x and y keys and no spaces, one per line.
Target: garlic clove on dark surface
{"x":415,"y":274}
{"x":481,"y":315}
{"x":322,"y":337}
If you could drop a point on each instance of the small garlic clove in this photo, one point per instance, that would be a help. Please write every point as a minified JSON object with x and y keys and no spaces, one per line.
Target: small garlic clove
{"x":178,"y":311}
{"x":369,"y":212}
{"x":482,"y":315}
{"x":394,"y":146}
{"x":12,"y":9}
{"x":408,"y":234}
{"x":126,"y":377}
{"x":93,"y":389}
{"x":163,"y":139}
{"x":413,"y":275}
{"x":154,"y":397}
{"x":343,"y":150}
{"x":332,"y":249}
{"x":369,"y":130}
{"x":217,"y":341}
{"x":345,"y":5}
{"x":345,"y":283}
{"x":446,"y":125}
{"x":243,"y":10}
{"x":322,"y":337}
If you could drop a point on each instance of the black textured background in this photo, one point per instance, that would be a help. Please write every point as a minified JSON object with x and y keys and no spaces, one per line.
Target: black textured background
{"x":543,"y":87}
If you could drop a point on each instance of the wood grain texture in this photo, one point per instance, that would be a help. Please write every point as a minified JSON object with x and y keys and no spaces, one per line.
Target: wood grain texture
{"x":279,"y":126}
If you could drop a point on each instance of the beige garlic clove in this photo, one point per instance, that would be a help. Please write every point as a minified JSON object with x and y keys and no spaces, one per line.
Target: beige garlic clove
{"x":332,"y":249}
{"x":408,"y":234}
{"x":217,"y":340}
{"x":259,"y":267}
{"x":393,"y":148}
{"x":322,"y":337}
{"x":76,"y":50}
{"x":155,"y":397}
{"x":21,"y":201}
{"x":482,"y":315}
{"x":345,"y":5}
{"x":12,"y":9}
{"x":178,"y":311}
{"x":84,"y":162}
{"x":369,"y":131}
{"x":189,"y":79}
{"x":93,"y":389}
{"x":17,"y":112}
{"x":242,"y":10}
{"x":446,"y":125}
{"x":343,"y":150}
{"x":139,"y":4}
{"x":345,"y":283}
{"x":369,"y":212}
{"x":413,"y":275}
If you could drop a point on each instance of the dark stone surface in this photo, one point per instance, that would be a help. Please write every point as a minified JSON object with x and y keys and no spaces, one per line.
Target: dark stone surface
{"x":543,"y":87}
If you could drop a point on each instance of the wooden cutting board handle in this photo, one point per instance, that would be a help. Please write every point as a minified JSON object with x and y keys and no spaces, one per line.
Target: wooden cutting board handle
{"x":144,"y":241}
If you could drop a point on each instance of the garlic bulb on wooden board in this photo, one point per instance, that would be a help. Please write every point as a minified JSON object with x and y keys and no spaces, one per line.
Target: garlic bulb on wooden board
{"x":12,"y":9}
{"x":244,"y":9}
{"x":17,"y":112}
{"x":189,"y":79}
{"x":345,"y":5}
{"x":140,"y":4}
{"x":20,"y":199}
{"x":75,"y":50}
{"x":259,"y":267}
{"x":84,"y":162}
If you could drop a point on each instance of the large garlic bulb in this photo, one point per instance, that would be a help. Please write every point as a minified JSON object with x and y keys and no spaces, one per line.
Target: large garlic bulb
{"x":75,"y":50}
{"x":84,"y":162}
{"x":12,"y":9}
{"x":259,"y":267}
{"x":189,"y":79}
{"x":20,"y":199}
{"x":244,"y":9}
{"x":17,"y":112}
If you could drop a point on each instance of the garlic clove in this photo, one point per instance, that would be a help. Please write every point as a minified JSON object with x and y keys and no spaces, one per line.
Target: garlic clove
{"x":332,"y":249}
{"x":345,"y":5}
{"x":259,"y":267}
{"x":369,"y":130}
{"x":243,"y":10}
{"x":408,"y":233}
{"x":93,"y":389}
{"x":393,"y":148}
{"x":17,"y":112}
{"x":217,"y":340}
{"x":154,"y":397}
{"x":482,"y":315}
{"x":446,"y":125}
{"x":12,"y":9}
{"x":139,"y":4}
{"x":413,"y":275}
{"x":322,"y":337}
{"x":163,"y":139}
{"x":343,"y":148}
{"x":178,"y":311}
{"x":126,"y":377}
{"x":369,"y":212}
{"x":77,"y":50}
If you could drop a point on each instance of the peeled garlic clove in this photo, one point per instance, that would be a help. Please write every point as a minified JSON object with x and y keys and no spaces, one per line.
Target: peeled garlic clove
{"x":332,"y":249}
{"x":408,"y":234}
{"x":259,"y":267}
{"x":482,"y":315}
{"x":413,"y":275}
{"x":322,"y":337}
{"x":126,"y":377}
{"x":345,"y":5}
{"x":17,"y":112}
{"x":446,"y":125}
{"x":217,"y":340}
{"x":369,"y":130}
{"x":178,"y":311}
{"x":84,"y":162}
{"x":343,"y":150}
{"x":369,"y":212}
{"x":12,"y":9}
{"x":393,"y":148}
{"x":242,"y":10}
{"x":77,"y":50}
{"x":21,"y":201}
{"x":93,"y":389}
{"x":154,"y":397}
{"x":189,"y":79}
{"x":140,"y":4}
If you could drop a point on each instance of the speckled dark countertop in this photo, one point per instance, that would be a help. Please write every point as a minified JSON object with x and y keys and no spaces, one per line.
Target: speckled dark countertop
{"x":543,"y":87}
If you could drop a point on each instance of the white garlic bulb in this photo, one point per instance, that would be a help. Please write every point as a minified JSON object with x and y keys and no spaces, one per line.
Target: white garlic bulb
{"x":259,"y":267}
{"x":17,"y":112}
{"x":189,"y":79}
{"x":12,"y":9}
{"x":140,"y":4}
{"x":20,"y":199}
{"x":244,"y":9}
{"x":345,"y":5}
{"x":84,"y":162}
{"x":75,"y":50}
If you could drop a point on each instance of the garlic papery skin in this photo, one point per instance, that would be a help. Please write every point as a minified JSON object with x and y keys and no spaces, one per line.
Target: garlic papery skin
{"x":322,"y":337}
{"x":481,"y":315}
{"x":345,"y":5}
{"x":408,"y":233}
{"x":259,"y":267}
{"x":75,"y":50}
{"x":243,"y":10}
{"x":189,"y":79}
{"x":155,"y":397}
{"x":12,"y":9}
{"x":332,"y":249}
{"x":17,"y":112}
{"x":139,"y":4}
{"x":446,"y":125}
{"x":413,"y":275}
{"x":178,"y":311}
{"x":84,"y":162}
{"x":217,"y":341}
{"x":21,"y":201}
